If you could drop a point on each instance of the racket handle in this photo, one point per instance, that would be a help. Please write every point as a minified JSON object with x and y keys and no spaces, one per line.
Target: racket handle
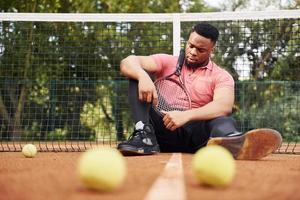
{"x":180,"y":61}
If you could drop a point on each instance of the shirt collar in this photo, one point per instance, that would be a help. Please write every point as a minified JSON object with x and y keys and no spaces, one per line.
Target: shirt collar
{"x":209,"y":65}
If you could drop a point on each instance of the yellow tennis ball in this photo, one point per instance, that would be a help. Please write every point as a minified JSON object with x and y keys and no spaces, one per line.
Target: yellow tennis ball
{"x":102,"y":169}
{"x":214,"y":166}
{"x":29,"y":150}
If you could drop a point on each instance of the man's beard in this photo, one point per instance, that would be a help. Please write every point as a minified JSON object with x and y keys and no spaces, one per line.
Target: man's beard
{"x":196,"y":65}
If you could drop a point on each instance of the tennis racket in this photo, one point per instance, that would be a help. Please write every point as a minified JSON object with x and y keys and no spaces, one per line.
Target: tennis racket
{"x":172,"y":94}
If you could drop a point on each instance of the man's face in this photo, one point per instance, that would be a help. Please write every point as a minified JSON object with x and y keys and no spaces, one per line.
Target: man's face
{"x":198,"y":50}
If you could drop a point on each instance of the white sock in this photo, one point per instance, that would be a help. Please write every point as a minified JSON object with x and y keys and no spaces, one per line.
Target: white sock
{"x":139,"y":125}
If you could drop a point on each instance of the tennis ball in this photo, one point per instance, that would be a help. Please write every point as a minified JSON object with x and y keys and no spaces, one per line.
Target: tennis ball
{"x":102,"y":169}
{"x":213,"y":166}
{"x":29,"y":151}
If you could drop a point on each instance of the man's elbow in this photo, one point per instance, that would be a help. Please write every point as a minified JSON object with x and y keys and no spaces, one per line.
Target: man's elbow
{"x":123,"y":64}
{"x":225,"y":110}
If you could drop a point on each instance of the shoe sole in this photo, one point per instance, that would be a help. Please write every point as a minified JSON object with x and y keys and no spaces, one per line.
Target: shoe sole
{"x":253,"y":145}
{"x":133,"y":151}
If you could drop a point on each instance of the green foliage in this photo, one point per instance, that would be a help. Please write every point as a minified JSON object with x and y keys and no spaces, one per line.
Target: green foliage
{"x":272,"y":104}
{"x":61,"y":81}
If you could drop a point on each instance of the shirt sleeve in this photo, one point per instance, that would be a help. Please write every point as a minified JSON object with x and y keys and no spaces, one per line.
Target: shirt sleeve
{"x":165,"y":64}
{"x":224,"y":79}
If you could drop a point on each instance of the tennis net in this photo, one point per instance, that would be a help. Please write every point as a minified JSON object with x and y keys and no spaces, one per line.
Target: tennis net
{"x":60,"y":85}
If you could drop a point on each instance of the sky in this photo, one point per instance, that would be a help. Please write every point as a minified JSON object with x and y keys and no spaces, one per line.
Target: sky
{"x":254,"y":4}
{"x":214,"y":3}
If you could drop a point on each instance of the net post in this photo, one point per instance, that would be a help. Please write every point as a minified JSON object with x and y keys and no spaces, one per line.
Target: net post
{"x":176,"y":33}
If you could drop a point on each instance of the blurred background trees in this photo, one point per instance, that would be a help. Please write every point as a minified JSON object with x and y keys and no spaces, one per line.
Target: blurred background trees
{"x":61,"y":80}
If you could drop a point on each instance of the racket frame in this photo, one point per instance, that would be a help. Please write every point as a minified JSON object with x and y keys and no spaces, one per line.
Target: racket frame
{"x":177,"y":74}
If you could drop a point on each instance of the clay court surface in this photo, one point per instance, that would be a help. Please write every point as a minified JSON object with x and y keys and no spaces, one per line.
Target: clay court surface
{"x":53,"y":176}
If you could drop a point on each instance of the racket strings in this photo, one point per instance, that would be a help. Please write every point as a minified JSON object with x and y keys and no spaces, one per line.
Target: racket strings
{"x":171,"y":96}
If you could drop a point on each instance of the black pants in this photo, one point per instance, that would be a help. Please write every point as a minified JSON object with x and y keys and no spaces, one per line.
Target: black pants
{"x":188,"y":138}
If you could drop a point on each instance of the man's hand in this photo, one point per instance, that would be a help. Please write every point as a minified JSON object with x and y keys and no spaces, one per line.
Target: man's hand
{"x":147,"y":90}
{"x":174,"y":119}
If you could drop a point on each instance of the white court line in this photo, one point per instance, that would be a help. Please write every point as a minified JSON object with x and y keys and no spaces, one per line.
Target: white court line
{"x":170,"y":184}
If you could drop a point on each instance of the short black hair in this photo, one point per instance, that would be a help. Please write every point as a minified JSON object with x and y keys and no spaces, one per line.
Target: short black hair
{"x":207,"y":30}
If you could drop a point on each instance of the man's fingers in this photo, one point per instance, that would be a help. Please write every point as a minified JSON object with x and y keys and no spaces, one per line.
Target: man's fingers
{"x":168,"y":125}
{"x":149,"y":97}
{"x":155,"y":98}
{"x":171,"y":126}
{"x":165,"y":117}
{"x":140,"y":96}
{"x":144,"y":96}
{"x":167,"y":120}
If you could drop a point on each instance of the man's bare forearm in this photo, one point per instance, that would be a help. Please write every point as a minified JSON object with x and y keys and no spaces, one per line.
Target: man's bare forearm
{"x":209,"y":111}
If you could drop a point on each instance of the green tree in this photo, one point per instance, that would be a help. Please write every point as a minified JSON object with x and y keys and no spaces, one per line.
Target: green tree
{"x":61,"y":80}
{"x":57,"y":81}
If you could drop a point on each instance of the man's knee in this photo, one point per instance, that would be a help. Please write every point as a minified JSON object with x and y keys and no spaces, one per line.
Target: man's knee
{"x":222,"y":126}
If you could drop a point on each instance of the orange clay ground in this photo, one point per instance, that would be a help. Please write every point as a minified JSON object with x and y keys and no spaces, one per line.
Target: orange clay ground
{"x":53,"y":176}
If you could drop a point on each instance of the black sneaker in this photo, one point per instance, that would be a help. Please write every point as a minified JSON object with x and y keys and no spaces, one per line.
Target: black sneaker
{"x":141,"y":142}
{"x":253,"y":145}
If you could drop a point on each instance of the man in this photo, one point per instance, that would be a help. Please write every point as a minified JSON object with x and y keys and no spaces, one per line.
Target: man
{"x":208,"y":122}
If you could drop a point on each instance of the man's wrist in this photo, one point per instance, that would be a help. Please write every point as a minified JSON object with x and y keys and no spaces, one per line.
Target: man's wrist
{"x":190,"y":115}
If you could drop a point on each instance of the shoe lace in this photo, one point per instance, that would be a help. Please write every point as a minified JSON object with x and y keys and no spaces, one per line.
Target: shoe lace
{"x":137,"y":133}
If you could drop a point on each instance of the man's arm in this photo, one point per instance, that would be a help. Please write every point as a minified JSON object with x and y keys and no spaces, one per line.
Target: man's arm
{"x":138,"y":67}
{"x":221,"y":105}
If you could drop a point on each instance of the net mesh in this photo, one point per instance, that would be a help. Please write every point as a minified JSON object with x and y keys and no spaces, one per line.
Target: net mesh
{"x":60,"y":85}
{"x":60,"y":82}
